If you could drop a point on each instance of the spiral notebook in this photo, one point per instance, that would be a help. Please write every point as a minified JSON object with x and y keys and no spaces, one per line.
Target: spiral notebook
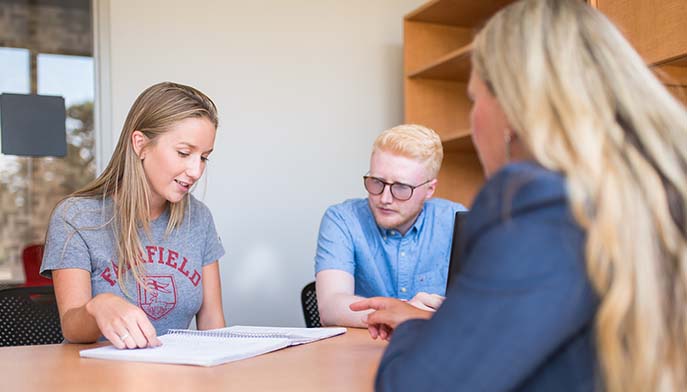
{"x":215,"y":346}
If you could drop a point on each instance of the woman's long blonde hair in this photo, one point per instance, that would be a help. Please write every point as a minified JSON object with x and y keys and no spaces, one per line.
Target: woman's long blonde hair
{"x":153,"y":113}
{"x":585,"y":104}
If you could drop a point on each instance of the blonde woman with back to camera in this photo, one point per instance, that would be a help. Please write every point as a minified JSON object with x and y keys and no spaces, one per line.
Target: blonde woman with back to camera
{"x":574,"y":268}
{"x":134,"y":254}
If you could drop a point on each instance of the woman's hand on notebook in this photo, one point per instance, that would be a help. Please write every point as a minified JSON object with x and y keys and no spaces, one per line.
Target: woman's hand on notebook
{"x":123,"y":324}
{"x":426,"y":301}
{"x":388,"y":314}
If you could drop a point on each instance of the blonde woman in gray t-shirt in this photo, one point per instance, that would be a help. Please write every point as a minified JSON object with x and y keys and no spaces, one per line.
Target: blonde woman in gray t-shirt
{"x":134,"y":254}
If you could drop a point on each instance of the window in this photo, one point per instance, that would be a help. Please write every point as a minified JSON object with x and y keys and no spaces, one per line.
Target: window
{"x":45,"y":48}
{"x":14,"y":62}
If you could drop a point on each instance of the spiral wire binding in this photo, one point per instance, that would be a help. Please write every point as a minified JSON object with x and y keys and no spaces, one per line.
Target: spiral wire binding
{"x":226,"y":334}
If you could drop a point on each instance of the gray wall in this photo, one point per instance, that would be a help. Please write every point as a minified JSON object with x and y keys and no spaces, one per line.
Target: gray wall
{"x":303,"y":88}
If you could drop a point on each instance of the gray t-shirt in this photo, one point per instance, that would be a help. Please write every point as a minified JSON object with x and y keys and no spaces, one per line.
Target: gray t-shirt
{"x":79,"y":236}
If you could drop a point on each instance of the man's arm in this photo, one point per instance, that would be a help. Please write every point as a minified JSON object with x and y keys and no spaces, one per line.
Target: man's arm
{"x":334,"y":295}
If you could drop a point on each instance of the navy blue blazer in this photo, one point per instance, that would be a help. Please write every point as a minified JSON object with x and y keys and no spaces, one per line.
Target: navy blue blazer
{"x":519,"y":314}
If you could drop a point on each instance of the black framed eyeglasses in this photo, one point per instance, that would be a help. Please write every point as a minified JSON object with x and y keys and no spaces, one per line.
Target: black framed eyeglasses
{"x":399,"y":190}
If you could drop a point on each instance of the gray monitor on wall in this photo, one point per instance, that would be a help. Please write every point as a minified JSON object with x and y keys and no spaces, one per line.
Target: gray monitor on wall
{"x":33,"y":125}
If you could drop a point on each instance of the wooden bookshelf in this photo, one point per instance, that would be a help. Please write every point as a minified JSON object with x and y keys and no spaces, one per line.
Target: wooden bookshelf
{"x":656,"y":28}
{"x":437,"y":48}
{"x":437,"y":45}
{"x":658,"y":31}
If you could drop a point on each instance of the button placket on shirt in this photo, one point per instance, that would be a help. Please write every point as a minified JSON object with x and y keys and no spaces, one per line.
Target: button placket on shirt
{"x":404,"y":282}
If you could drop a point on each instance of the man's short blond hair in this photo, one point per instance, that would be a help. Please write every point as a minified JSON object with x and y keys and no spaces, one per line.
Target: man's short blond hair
{"x":413,"y":141}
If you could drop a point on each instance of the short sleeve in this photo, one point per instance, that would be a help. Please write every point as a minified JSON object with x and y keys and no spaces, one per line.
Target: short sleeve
{"x":335,"y":248}
{"x":64,"y":246}
{"x":213,"y":249}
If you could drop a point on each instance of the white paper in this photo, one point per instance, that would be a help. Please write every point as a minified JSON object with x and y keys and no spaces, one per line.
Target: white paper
{"x":191,"y":350}
{"x":215,"y":346}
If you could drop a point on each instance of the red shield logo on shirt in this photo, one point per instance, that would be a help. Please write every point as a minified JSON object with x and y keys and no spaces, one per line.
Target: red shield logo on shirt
{"x":159,"y":297}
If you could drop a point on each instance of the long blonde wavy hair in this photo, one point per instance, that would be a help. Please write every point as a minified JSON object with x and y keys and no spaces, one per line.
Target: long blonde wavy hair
{"x":583,"y":102}
{"x":153,"y":113}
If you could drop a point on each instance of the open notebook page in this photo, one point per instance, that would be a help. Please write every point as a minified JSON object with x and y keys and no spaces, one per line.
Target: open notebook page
{"x":192,"y":350}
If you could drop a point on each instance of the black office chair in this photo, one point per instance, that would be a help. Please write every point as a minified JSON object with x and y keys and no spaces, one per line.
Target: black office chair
{"x":28,"y":316}
{"x":309,"y":304}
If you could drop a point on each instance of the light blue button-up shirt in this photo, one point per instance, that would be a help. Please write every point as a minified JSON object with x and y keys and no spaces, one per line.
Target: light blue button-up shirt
{"x":383,"y":262}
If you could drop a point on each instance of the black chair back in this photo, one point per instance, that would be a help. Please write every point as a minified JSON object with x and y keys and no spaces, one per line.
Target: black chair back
{"x":28,"y":316}
{"x":456,"y":246}
{"x":309,"y":304}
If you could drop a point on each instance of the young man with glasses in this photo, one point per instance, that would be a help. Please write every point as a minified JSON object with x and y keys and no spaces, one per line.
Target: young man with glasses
{"x":397,"y":242}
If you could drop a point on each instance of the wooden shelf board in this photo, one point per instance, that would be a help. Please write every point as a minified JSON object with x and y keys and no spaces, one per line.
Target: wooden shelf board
{"x":458,"y":140}
{"x":674,"y":76}
{"x":469,"y":13}
{"x":455,"y":134}
{"x":453,"y":66}
{"x":673,"y":73}
{"x":680,"y":62}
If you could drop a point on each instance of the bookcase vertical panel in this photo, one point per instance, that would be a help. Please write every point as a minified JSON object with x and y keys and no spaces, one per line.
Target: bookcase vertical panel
{"x":657,"y":29}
